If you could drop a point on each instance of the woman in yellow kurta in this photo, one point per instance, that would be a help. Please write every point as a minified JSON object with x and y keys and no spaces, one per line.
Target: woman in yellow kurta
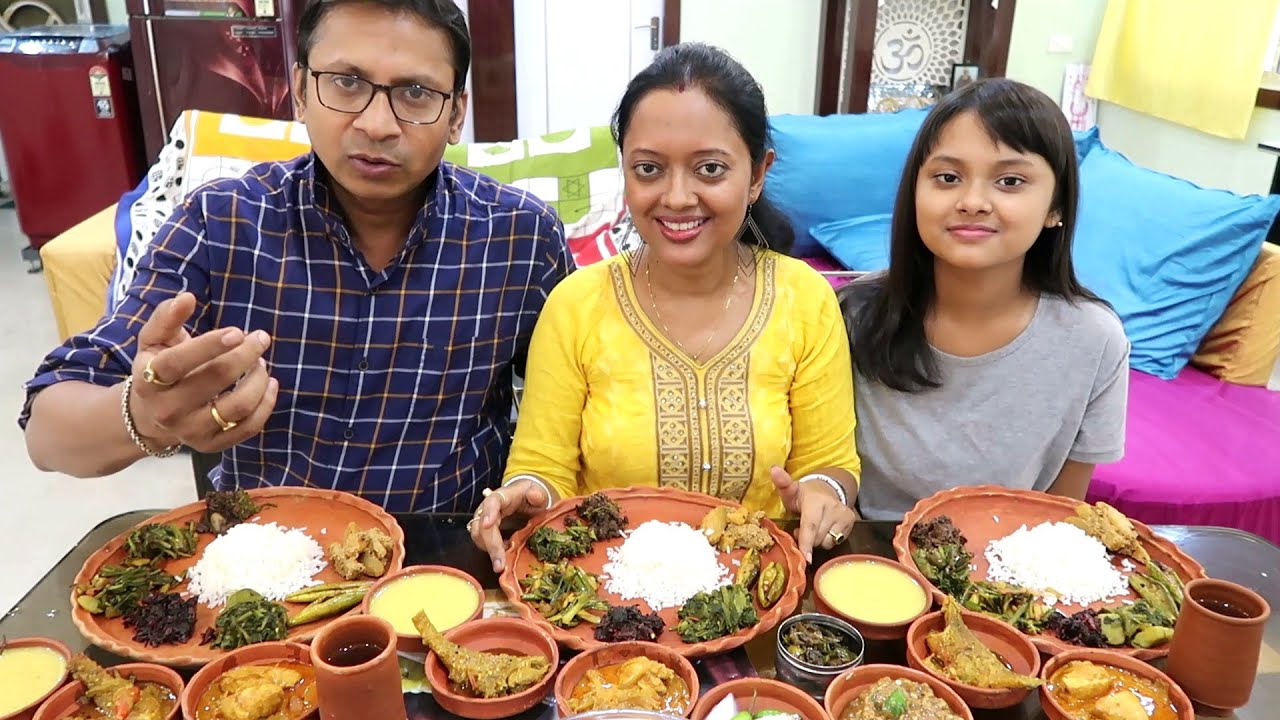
{"x":704,"y":360}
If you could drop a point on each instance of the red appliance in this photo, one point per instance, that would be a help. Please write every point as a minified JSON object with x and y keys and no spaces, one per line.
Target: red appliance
{"x":69,"y":124}
{"x":231,"y":56}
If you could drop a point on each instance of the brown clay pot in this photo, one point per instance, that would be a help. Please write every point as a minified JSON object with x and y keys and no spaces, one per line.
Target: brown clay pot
{"x":1214,"y":656}
{"x":27,"y":712}
{"x":369,"y":690}
{"x":66,"y":701}
{"x":1006,"y":641}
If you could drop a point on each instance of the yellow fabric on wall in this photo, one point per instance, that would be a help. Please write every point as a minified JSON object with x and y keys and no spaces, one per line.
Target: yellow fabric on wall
{"x":1193,"y":62}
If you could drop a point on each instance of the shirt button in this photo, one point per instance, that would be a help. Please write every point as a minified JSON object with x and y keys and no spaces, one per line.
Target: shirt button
{"x":706,"y":466}
{"x":702,"y":403}
{"x":364,"y":365}
{"x":348,"y":433}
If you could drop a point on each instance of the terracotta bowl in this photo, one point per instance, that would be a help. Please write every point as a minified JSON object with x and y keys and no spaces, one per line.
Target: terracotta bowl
{"x":768,"y":694}
{"x":67,"y":700}
{"x":577,"y":668}
{"x":1138,"y":667}
{"x":1000,"y":637}
{"x":259,"y":654}
{"x":871,"y":630}
{"x":859,"y":680}
{"x":29,"y":711}
{"x":495,"y":634}
{"x":412,"y":643}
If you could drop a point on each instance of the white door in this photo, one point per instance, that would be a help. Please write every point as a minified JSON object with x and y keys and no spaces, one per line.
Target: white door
{"x":574,"y":58}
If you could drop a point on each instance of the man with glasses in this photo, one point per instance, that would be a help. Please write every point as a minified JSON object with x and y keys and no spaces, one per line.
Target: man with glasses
{"x":350,"y":319}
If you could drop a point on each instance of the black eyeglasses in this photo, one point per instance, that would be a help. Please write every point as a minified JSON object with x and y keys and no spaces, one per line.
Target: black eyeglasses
{"x":345,"y":93}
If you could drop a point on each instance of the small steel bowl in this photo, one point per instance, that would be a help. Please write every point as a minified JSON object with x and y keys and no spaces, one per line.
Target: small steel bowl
{"x":811,"y":678}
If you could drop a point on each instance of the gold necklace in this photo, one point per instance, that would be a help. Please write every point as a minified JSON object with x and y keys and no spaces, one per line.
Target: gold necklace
{"x":657,"y":314}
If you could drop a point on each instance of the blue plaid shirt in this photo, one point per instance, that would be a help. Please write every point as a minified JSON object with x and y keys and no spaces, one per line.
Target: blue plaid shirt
{"x":394,"y":385}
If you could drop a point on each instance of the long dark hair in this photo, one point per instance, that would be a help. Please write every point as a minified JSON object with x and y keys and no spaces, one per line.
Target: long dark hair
{"x":443,"y":14}
{"x":885,"y":314}
{"x":734,"y":90}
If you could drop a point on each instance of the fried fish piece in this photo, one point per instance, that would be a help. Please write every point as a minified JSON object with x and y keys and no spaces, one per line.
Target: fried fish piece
{"x":1110,"y":527}
{"x":488,"y":675}
{"x":958,"y":654}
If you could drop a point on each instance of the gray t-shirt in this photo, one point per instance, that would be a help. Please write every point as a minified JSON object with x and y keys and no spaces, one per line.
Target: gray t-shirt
{"x":1011,"y":417}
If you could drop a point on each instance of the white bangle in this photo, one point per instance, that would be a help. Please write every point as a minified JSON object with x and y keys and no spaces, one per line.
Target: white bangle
{"x":536,"y":481}
{"x":835,"y":485}
{"x":133,"y":431}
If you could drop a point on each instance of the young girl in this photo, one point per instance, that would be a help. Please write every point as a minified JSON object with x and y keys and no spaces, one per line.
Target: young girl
{"x":978,"y":356}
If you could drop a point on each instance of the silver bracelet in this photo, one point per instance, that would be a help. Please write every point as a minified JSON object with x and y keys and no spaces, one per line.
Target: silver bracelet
{"x":133,"y":431}
{"x":536,"y":481}
{"x":835,"y":485}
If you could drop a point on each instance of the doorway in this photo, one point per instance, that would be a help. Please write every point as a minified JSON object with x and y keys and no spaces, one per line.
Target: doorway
{"x":574,"y":58}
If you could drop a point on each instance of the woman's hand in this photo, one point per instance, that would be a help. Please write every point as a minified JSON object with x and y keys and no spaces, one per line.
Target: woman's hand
{"x":523,"y":497}
{"x":823,"y":518}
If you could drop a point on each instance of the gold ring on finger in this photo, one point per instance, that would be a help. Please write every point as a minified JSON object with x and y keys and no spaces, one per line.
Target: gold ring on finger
{"x":149,"y":376}
{"x":502,"y":497}
{"x":217,"y":417}
{"x":836,"y":536}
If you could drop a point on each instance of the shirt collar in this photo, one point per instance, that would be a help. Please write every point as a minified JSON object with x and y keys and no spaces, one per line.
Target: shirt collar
{"x":319,"y":203}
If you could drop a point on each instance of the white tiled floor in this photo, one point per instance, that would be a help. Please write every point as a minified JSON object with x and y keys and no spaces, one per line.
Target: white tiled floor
{"x":42,"y":515}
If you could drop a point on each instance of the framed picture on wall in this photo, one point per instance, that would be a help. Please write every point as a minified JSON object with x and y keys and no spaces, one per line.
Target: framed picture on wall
{"x":964,"y":73}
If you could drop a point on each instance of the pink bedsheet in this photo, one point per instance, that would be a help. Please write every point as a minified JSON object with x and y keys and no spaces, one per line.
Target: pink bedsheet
{"x":1198,"y":451}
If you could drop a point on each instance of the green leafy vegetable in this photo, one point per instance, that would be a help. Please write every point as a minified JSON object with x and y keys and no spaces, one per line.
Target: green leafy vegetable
{"x":155,"y":542}
{"x":550,"y":545}
{"x":117,"y":589}
{"x":247,"y":618}
{"x":713,"y":614}
{"x":564,"y":594}
{"x":224,"y":509}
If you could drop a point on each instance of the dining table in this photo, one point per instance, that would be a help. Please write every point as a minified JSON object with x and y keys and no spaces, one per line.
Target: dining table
{"x":442,"y":539}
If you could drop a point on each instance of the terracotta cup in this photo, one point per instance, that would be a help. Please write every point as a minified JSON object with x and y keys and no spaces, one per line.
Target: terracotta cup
{"x":369,"y":689}
{"x":1214,"y":655}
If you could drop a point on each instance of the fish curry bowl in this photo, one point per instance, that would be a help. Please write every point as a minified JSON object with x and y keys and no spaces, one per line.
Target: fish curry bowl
{"x":989,"y":663}
{"x":491,"y":668}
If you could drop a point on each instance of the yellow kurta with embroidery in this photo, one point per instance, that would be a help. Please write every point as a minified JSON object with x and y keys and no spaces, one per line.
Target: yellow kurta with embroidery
{"x":610,"y":402}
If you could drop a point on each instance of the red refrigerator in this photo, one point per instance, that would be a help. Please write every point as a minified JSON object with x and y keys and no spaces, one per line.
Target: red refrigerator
{"x":232,"y":56}
{"x":69,"y":124}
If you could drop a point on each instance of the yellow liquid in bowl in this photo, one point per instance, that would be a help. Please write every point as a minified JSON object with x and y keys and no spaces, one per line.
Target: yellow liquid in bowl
{"x":872,"y":591}
{"x":448,"y":600}
{"x":26,"y":675}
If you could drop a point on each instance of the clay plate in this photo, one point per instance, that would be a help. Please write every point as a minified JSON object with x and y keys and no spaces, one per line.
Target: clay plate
{"x":324,"y":514}
{"x":1054,"y":711}
{"x":639,"y":505}
{"x":766,"y":694}
{"x":858,"y":680}
{"x":1001,"y":638}
{"x":974,"y":509}
{"x":615,"y":653}
{"x":67,"y":700}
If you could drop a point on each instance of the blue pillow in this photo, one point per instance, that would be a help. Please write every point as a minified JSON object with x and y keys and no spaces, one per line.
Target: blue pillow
{"x":860,"y":243}
{"x":838,"y":166}
{"x":1166,"y":253}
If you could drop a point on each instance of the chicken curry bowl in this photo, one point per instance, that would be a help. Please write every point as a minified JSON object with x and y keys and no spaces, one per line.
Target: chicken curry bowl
{"x":283,"y":690}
